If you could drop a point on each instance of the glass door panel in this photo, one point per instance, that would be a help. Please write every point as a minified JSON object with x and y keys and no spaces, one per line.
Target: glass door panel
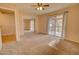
{"x":59,"y":27}
{"x":51,"y":27}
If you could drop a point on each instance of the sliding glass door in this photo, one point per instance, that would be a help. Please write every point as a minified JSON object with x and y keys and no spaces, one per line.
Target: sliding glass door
{"x":51,"y":26}
{"x":59,"y":25}
{"x":56,"y":25}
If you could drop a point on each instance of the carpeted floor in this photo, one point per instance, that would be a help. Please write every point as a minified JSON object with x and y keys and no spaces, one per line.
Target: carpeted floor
{"x":37,"y":44}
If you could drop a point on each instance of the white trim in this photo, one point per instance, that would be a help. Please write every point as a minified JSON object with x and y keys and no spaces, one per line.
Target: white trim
{"x":23,"y":18}
{"x":7,"y":8}
{"x":0,"y":40}
{"x":32,"y":26}
{"x":17,"y":27}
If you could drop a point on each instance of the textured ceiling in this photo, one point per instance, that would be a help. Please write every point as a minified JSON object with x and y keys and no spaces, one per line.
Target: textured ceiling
{"x":29,"y":9}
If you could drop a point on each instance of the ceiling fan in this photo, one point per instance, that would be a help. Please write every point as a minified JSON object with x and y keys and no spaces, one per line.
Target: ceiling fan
{"x":40,"y":6}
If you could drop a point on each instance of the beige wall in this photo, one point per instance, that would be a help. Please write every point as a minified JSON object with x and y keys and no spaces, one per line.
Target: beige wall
{"x":73,"y":24}
{"x":41,"y":23}
{"x":7,"y":22}
{"x":72,"y":30}
{"x":19,"y":16}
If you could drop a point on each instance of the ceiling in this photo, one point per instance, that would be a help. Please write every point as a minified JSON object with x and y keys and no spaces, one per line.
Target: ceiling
{"x":29,"y":9}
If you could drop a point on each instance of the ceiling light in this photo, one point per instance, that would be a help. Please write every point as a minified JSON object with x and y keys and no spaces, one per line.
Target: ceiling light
{"x":40,"y":8}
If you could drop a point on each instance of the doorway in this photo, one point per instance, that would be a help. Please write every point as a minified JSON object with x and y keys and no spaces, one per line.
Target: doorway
{"x":29,"y":25}
{"x":7,"y":26}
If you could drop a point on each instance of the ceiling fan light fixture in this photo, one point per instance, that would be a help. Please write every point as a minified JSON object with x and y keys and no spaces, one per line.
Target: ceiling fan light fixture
{"x":40,"y":8}
{"x":37,"y":8}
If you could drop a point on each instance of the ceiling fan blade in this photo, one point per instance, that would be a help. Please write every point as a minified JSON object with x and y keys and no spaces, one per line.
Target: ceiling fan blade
{"x":34,"y":5}
{"x":37,"y":5}
{"x":45,"y":5}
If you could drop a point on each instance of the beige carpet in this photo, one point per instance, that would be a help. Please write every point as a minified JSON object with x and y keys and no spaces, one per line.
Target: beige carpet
{"x":37,"y":44}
